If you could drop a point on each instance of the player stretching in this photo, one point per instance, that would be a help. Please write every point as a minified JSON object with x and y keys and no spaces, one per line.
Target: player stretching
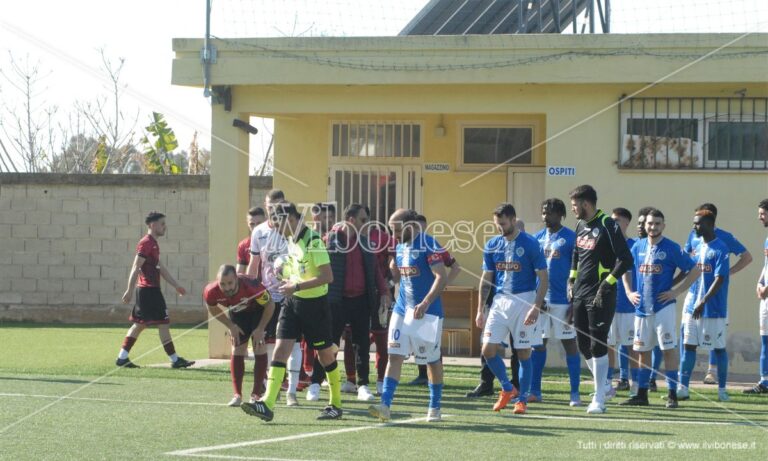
{"x":600,"y":259}
{"x":248,"y":310}
{"x":762,"y":295}
{"x":511,"y":263}
{"x":706,"y":322}
{"x":417,"y":320}
{"x":150,"y":308}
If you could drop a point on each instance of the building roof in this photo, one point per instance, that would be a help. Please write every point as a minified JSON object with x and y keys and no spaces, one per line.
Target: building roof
{"x":489,"y":17}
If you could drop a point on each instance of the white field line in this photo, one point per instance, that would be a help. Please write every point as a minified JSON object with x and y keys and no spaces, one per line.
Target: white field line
{"x":598,"y":419}
{"x":255,"y":458}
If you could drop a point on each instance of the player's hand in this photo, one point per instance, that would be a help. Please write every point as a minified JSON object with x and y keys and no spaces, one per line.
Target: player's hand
{"x":259,"y":337}
{"x":419,"y":310}
{"x":181,"y":290}
{"x":667,"y":296}
{"x":532,"y":315}
{"x":287,"y":289}
{"x":480,"y":318}
{"x":634,"y":298}
{"x":571,"y":282}
{"x":384,"y":304}
{"x":698,"y":311}
{"x":234,"y":334}
{"x":127,"y":296}
{"x":762,"y":292}
{"x":569,"y":314}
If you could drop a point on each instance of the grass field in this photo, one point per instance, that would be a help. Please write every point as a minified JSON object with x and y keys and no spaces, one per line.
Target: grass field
{"x":158,"y":413}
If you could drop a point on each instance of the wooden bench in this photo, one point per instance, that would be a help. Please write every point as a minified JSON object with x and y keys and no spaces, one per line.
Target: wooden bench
{"x":460,"y":335}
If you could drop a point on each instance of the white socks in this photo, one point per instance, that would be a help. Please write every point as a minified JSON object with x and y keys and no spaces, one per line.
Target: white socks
{"x":173,"y":357}
{"x":600,"y":373}
{"x":123,"y":354}
{"x":294,"y":366}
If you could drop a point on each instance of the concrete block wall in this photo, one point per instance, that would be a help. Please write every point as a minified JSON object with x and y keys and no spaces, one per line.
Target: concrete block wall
{"x":67,"y":243}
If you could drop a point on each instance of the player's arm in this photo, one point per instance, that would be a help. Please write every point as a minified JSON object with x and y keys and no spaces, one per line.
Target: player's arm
{"x":393,"y":270}
{"x":438,"y":270}
{"x":688,"y":279}
{"x":762,"y":288}
{"x":541,"y":292}
{"x":632,"y":295}
{"x":699,"y":309}
{"x":220,"y":313}
{"x":138,"y":261}
{"x":255,"y":262}
{"x":268,"y":306}
{"x":486,"y":284}
{"x":169,"y":278}
{"x":624,"y":259}
{"x":453,"y":272}
{"x":574,"y":268}
{"x":325,"y":277}
{"x":745,"y":259}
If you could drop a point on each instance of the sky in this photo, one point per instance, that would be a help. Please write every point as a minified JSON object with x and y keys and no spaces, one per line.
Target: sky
{"x":63,"y":39}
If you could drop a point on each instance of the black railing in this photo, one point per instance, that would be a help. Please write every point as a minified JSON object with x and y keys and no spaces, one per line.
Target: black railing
{"x":693,"y":133}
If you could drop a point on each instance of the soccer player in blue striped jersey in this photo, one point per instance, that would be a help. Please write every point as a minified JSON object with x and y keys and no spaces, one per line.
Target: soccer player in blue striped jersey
{"x":737,"y":249}
{"x":512,"y":262}
{"x":706,"y":319}
{"x":555,"y":322}
{"x":656,"y":260}
{"x":623,"y":325}
{"x":419,"y":261}
{"x":762,"y":295}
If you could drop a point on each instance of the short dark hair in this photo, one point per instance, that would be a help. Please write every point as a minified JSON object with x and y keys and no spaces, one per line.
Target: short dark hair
{"x":706,"y":215}
{"x":505,"y":209}
{"x":352,"y":210}
{"x":584,"y":192}
{"x":656,"y":213}
{"x":284,"y":209}
{"x":256,"y":211}
{"x":644,"y":211}
{"x":320,"y":207}
{"x":709,"y":207}
{"x":554,"y":204}
{"x":152,"y":217}
{"x":763,"y":204}
{"x":226,"y":269}
{"x":623,"y":212}
{"x":275,"y":195}
{"x":421,"y":218}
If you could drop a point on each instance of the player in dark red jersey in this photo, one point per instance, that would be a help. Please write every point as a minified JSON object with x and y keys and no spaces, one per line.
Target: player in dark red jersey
{"x":256,"y":216}
{"x":248,"y":310}
{"x":150,"y":308}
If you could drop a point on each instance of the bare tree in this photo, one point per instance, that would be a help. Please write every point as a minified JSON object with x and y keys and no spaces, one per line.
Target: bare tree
{"x":107,"y":119}
{"x":26,"y":127}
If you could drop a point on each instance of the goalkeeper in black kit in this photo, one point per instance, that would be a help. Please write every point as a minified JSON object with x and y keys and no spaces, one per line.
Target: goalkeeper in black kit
{"x":600,"y":258}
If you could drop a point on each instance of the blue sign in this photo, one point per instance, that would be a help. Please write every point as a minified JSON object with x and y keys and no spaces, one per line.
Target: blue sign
{"x":561,"y":171}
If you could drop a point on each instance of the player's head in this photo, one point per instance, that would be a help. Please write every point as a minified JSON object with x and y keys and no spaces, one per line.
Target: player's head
{"x":552,"y":212}
{"x":272,"y":198}
{"x":654,"y":223}
{"x":762,"y":212}
{"x":421,"y":220}
{"x":641,"y":214}
{"x":356,"y":216}
{"x":226,"y":277}
{"x":256,"y":216}
{"x":623,"y":217}
{"x":583,"y":201}
{"x":286,"y":218}
{"x":704,"y":223}
{"x":155,"y":222}
{"x":505,"y":217}
{"x":403,"y":224}
{"x":708,"y":207}
{"x":323,"y":216}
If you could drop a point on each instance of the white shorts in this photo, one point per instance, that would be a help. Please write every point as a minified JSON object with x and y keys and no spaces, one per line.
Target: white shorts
{"x":622,"y":329}
{"x":705,"y":332}
{"x":507,"y":316}
{"x":553,"y":323}
{"x":400,"y":343}
{"x":764,"y":317}
{"x":657,"y":329}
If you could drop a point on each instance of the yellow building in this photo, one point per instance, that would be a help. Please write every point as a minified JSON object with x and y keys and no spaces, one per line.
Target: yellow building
{"x":453,"y":125}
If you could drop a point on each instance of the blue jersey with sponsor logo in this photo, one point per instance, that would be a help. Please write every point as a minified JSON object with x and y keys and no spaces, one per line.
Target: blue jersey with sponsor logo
{"x":693,"y":242}
{"x":558,"y":251}
{"x":655,"y":267}
{"x":713,"y":260}
{"x":764,"y":277}
{"x":623,"y":304}
{"x":514,"y":263}
{"x":414,"y":261}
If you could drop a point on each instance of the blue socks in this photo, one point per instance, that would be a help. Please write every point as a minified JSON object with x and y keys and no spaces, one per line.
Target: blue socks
{"x":435,"y":394}
{"x":611,"y":371}
{"x":388,"y":392}
{"x":713,"y":358}
{"x":496,"y":365}
{"x":633,"y":372}
{"x":764,"y":360}
{"x":671,"y":379}
{"x":686,"y":367}
{"x":574,"y":370}
{"x":721,"y":356}
{"x":656,"y":357}
{"x":624,"y":363}
{"x":644,"y":378}
{"x":538,"y":360}
{"x":526,"y":370}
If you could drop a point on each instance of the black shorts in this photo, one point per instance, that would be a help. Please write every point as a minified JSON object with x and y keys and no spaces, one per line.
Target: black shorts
{"x":310,"y":317}
{"x":150,"y":308}
{"x":272,"y":325}
{"x":247,"y":320}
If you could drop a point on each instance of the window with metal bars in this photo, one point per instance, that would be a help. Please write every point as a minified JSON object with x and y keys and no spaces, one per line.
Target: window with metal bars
{"x":376,"y":139}
{"x":693,"y":133}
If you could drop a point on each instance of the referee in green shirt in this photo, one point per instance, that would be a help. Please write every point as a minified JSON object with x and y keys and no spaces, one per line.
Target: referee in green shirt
{"x":306,"y":274}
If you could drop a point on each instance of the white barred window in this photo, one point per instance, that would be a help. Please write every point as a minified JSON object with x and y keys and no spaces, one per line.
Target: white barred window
{"x":375,"y":139}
